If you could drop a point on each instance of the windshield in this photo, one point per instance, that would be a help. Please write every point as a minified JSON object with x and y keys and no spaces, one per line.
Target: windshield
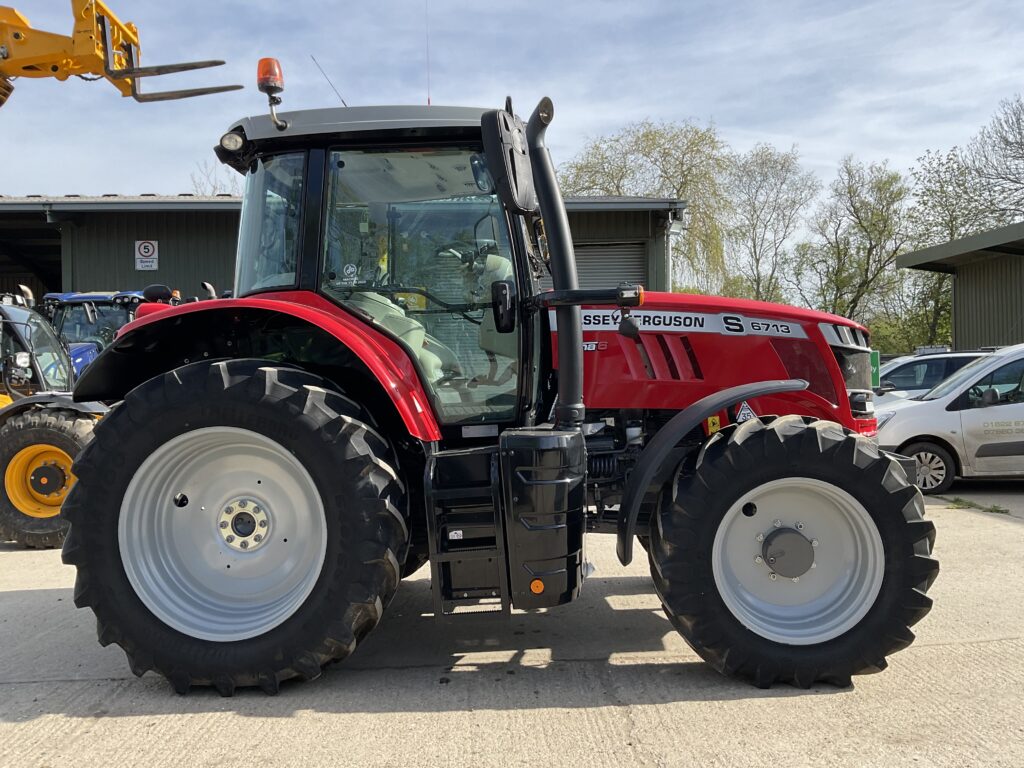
{"x":53,"y":360}
{"x":73,"y":323}
{"x":413,"y":242}
{"x":268,"y":234}
{"x":952,"y":384}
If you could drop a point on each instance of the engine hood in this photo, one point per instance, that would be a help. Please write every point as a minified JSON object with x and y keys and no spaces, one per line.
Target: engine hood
{"x":718,"y":304}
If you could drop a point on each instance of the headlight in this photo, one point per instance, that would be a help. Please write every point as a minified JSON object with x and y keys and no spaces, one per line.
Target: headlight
{"x":884,"y":418}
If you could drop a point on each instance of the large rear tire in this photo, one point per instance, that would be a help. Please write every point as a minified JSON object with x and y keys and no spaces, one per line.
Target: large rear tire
{"x":796,"y":553}
{"x":37,"y":449}
{"x":236,"y":524}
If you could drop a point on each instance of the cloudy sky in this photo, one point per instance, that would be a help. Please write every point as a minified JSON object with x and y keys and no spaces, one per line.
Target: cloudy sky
{"x":876,"y":79}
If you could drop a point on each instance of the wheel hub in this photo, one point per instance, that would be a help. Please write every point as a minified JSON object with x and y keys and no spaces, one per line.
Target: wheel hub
{"x":788,"y":552}
{"x":244,"y":524}
{"x":48,"y":479}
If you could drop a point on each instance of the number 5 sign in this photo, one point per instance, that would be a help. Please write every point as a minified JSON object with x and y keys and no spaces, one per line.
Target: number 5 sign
{"x":147,"y":256}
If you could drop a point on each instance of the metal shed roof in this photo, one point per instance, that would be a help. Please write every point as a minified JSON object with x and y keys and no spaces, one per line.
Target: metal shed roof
{"x":1004,"y":241}
{"x":187,"y":202}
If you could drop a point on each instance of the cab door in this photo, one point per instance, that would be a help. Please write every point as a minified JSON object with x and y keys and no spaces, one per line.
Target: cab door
{"x":992,"y":420}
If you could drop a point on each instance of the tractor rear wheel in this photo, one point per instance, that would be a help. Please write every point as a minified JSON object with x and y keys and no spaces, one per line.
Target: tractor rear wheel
{"x":236,"y":524}
{"x":37,"y":449}
{"x":796,"y":553}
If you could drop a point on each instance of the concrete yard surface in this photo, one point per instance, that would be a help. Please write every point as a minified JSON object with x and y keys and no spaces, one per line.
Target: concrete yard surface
{"x":605,"y":681}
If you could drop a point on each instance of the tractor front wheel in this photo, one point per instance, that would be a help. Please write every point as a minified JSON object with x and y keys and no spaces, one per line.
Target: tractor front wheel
{"x":795,"y":552}
{"x":37,"y":449}
{"x":236,"y":524}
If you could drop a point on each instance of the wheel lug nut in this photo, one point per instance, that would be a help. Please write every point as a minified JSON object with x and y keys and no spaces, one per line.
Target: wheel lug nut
{"x":760,"y":537}
{"x":814,"y":542}
{"x":263,"y":523}
{"x":257,"y":538}
{"x":796,"y":579}
{"x":223,"y":523}
{"x":244,"y":545}
{"x":799,"y":526}
{"x":777,"y":523}
{"x":257,"y":511}
{"x":229,"y":539}
{"x":228,"y":510}
{"x":758,"y":559}
{"x":243,"y":503}
{"x":772,"y":576}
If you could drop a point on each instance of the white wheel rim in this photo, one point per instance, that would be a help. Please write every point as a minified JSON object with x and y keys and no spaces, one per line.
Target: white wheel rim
{"x":834,"y":593}
{"x":178,"y":558}
{"x":931,"y":470}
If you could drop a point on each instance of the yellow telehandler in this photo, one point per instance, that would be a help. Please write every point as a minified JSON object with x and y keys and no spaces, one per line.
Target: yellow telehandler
{"x":100,"y":46}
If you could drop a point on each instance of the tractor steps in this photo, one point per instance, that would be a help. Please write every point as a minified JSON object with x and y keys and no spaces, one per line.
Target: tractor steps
{"x":466,"y":537}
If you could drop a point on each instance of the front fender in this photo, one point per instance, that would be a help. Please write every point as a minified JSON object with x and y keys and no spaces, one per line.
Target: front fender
{"x":653,"y":465}
{"x":235,"y":328}
{"x":51,"y":400}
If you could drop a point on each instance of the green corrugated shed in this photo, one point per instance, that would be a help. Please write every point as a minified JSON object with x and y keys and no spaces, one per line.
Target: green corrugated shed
{"x":988,"y":287}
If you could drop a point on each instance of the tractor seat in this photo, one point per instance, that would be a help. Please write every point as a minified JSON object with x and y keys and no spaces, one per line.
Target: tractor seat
{"x":412,"y":333}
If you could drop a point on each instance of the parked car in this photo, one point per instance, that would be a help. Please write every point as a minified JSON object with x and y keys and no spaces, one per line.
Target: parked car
{"x":970,"y":425}
{"x":913,"y":375}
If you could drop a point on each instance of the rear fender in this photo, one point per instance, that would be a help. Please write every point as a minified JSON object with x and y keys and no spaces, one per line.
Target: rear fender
{"x":364,"y":363}
{"x":659,"y":457}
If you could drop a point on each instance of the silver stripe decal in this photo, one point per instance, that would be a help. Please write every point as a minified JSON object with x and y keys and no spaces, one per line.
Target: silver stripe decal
{"x":660,"y":321}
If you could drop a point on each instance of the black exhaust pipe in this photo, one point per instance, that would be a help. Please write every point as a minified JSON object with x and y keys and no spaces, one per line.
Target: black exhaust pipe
{"x":569,"y":407}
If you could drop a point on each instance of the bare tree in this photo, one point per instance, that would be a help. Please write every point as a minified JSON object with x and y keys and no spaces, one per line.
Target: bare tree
{"x":769,"y":192}
{"x":675,"y":160}
{"x":210,"y":178}
{"x":997,"y":156}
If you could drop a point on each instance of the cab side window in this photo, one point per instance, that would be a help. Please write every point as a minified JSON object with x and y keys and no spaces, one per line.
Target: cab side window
{"x":1007,"y":383}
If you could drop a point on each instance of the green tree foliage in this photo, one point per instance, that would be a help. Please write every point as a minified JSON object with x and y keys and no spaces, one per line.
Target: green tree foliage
{"x":769,"y":192}
{"x":857,"y":231}
{"x":674,"y":160}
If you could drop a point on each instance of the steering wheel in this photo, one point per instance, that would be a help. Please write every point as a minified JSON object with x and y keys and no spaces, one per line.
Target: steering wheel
{"x":975,"y":393}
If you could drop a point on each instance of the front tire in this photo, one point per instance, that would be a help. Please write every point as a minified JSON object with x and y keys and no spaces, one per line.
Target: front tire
{"x":236,"y":524}
{"x":37,"y":449}
{"x":796,"y":552}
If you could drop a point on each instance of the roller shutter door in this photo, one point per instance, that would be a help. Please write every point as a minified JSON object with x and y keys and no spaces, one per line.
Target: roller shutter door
{"x":606,"y":265}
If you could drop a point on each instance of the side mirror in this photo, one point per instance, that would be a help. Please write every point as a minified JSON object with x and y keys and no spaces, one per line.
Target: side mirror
{"x":157,"y":293}
{"x":887,"y":386}
{"x":503,"y":297}
{"x":508,"y":159}
{"x":989,"y":397}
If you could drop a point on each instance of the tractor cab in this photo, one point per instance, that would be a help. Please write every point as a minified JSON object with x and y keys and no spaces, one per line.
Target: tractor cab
{"x":32,"y":358}
{"x":91,"y":318}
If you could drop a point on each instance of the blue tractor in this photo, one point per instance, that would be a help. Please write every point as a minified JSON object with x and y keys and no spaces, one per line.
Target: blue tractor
{"x":89,"y":321}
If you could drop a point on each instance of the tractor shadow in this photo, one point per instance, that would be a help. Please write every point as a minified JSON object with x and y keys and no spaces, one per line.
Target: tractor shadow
{"x":612,"y":647}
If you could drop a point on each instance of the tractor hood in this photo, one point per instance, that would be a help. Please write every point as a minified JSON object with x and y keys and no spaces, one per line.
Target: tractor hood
{"x":763,"y":309}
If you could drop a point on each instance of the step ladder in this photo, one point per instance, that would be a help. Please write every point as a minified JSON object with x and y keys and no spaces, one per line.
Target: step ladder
{"x":465,"y":533}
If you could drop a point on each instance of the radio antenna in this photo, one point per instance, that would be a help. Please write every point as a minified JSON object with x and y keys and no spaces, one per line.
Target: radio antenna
{"x":426,"y":19}
{"x":328,"y":80}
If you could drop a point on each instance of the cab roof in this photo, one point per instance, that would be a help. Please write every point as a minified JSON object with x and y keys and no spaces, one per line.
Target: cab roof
{"x":359,"y":120}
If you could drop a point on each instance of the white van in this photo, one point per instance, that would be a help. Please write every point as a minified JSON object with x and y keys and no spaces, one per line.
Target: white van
{"x":970,"y":425}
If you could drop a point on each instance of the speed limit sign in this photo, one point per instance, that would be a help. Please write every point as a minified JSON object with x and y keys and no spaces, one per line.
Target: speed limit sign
{"x":147,"y":256}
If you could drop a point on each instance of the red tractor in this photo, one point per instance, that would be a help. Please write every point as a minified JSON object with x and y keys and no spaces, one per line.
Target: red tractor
{"x":389,"y":387}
